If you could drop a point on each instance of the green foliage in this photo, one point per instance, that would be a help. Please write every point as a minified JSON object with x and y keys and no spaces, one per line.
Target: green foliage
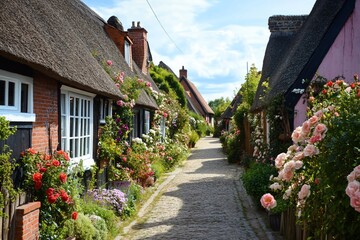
{"x":109,"y":217}
{"x":248,"y":89}
{"x":256,"y":180}
{"x":82,"y":228}
{"x":7,"y":166}
{"x":219,"y":106}
{"x":194,"y":137}
{"x":167,"y":82}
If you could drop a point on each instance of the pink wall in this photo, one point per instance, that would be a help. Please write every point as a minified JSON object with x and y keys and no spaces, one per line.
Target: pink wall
{"x":342,"y":59}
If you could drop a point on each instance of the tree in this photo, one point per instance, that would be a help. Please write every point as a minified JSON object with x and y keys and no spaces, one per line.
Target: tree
{"x":219,"y":105}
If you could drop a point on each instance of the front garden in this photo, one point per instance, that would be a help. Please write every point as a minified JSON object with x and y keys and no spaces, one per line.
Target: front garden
{"x":73,"y":202}
{"x":311,"y":175}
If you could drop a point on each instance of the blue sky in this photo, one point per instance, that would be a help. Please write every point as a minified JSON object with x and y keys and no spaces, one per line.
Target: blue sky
{"x":214,"y":40}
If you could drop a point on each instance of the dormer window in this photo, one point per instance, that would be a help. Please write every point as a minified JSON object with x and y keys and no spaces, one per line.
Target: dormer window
{"x":127,"y":52}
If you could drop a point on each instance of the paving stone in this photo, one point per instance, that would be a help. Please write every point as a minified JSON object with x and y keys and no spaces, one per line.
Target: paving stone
{"x":205,"y":199}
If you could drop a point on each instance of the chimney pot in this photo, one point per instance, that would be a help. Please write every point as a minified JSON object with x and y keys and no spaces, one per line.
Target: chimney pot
{"x":138,"y":24}
{"x":183,"y":72}
{"x":133,"y":24}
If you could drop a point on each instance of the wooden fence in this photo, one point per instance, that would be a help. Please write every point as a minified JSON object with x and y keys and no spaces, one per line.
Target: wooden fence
{"x":7,"y":223}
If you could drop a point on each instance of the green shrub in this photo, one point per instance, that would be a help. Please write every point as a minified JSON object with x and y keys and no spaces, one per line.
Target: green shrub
{"x":194,"y":137}
{"x":256,"y":180}
{"x":89,"y":207}
{"x":81,"y":228}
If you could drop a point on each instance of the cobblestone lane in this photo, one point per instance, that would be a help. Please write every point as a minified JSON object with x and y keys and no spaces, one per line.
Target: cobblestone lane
{"x":204,"y":200}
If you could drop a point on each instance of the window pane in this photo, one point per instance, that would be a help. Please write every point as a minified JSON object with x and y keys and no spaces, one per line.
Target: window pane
{"x":63,"y":124}
{"x":84,"y":146}
{"x":24,"y":97}
{"x":77,"y":106}
{"x":62,"y":102}
{"x":76,"y":150}
{"x":2,"y":92}
{"x":71,"y":106}
{"x":63,"y":143}
{"x":81,"y":147}
{"x":87,"y":145}
{"x":71,"y":127}
{"x":88,"y":109}
{"x":106,"y":108}
{"x":72,"y":148}
{"x":88,"y":127}
{"x":11,"y":94}
{"x":76,"y":127}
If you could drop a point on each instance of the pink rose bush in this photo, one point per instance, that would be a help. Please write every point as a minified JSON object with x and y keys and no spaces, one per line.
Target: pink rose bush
{"x":353,"y":188}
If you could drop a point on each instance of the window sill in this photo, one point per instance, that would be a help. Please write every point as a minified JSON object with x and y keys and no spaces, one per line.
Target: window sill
{"x":19,"y":117}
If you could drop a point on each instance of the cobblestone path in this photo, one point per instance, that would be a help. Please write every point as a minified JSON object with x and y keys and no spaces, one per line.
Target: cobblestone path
{"x":204,"y":200}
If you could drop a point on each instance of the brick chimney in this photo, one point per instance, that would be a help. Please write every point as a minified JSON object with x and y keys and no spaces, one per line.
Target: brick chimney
{"x":183,"y":72}
{"x":281,"y":23}
{"x":140,"y":49}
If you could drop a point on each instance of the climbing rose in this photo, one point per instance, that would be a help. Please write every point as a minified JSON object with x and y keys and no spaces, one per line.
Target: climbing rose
{"x":310,"y":150}
{"x":55,"y":163}
{"x":64,"y":196}
{"x":280,"y":160}
{"x":74,"y":215}
{"x":297,"y":135}
{"x":31,"y":151}
{"x":304,"y":192}
{"x":62,"y":177}
{"x":52,"y":198}
{"x":37,"y":177}
{"x":268,"y":201}
{"x":49,"y":191}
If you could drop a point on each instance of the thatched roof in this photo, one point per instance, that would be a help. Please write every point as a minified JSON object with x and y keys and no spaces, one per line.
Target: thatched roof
{"x":230,"y":110}
{"x":60,"y":39}
{"x":308,"y":48}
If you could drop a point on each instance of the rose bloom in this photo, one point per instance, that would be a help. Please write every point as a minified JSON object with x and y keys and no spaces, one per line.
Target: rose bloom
{"x":320,"y":128}
{"x":305,"y":128}
{"x":268,"y":201}
{"x":62,"y":177}
{"x":287,"y":193}
{"x":352,"y":188}
{"x":74,"y":215}
{"x":355,"y":201}
{"x":37,"y":177}
{"x":64,"y":196}
{"x":304,"y":192}
{"x":49,"y":191}
{"x":52,"y":198}
{"x":31,"y":151}
{"x":55,"y":163}
{"x":354,"y":175}
{"x":298,"y":165}
{"x":310,"y":150}
{"x":314,"y":119}
{"x":298,"y":156}
{"x":289,"y":166}
{"x":109,"y":62}
{"x":42,"y":169}
{"x":275,"y":186}
{"x":297,"y":135}
{"x":280,"y":159}
{"x":315,"y":138}
{"x":288,"y":175}
{"x":319,"y":114}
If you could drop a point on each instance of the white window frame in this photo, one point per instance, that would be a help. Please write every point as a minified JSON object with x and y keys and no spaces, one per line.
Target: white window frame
{"x":146,"y":121}
{"x":127,"y":55}
{"x":82,"y":135}
{"x":102,"y":110}
{"x":13,"y":113}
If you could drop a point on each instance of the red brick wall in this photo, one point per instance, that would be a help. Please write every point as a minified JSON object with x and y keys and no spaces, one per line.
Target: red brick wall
{"x":27,"y":221}
{"x":46,"y":110}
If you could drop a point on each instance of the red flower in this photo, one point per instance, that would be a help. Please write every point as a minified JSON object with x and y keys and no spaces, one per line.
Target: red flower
{"x":37,"y":177}
{"x":352,"y":85}
{"x":74,"y":215}
{"x":55,"y":163}
{"x":324,"y":91}
{"x":64,"y":154}
{"x":358,"y":94}
{"x":64,"y":196}
{"x":62,"y":177}
{"x":109,"y":62}
{"x":49,"y":191}
{"x":329,"y":83}
{"x":38,"y":185}
{"x":52,"y":198}
{"x":42,"y":169}
{"x":31,"y":151}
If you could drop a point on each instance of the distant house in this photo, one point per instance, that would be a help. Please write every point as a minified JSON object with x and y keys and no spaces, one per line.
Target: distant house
{"x":52,"y":86}
{"x":326,"y":44}
{"x":196,"y":102}
{"x":229,"y":112}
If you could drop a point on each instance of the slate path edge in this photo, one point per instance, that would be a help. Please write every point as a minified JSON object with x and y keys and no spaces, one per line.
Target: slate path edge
{"x":256,"y":218}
